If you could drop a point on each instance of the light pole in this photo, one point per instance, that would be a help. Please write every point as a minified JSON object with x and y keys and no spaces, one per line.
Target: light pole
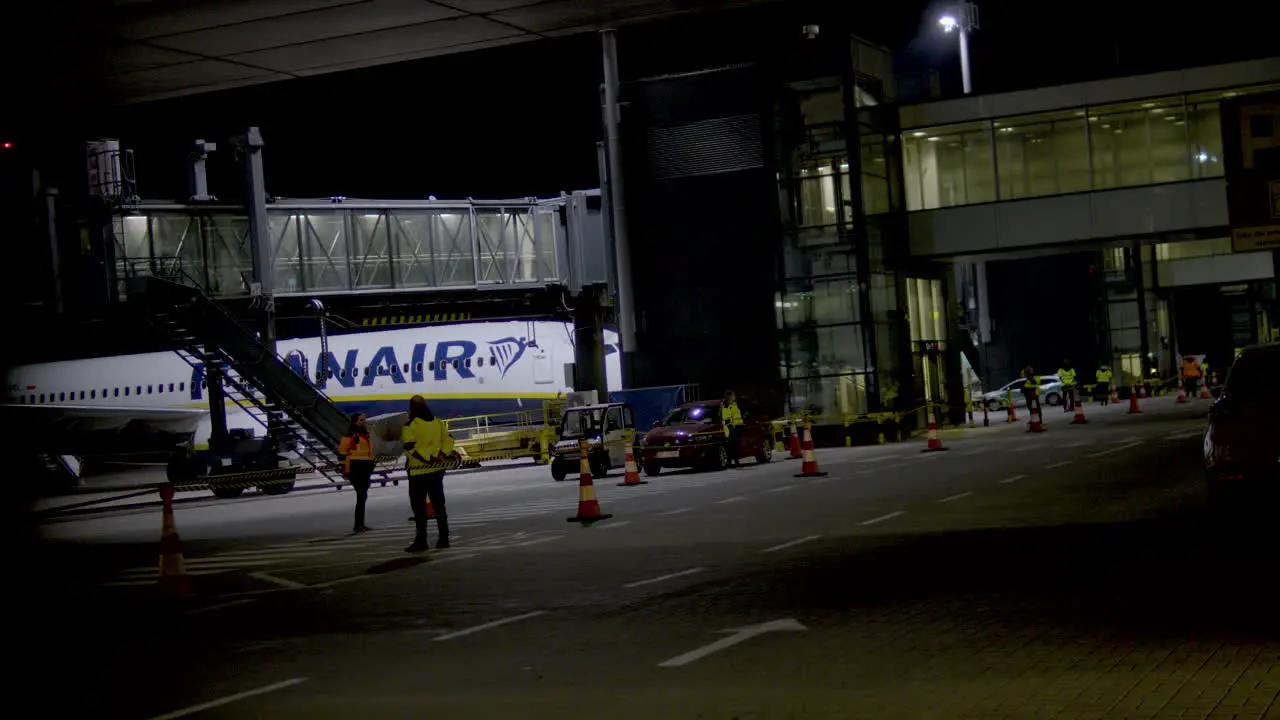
{"x":965,"y":20}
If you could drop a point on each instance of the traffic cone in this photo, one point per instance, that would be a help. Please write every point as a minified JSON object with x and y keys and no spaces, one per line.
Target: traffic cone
{"x":1182,"y":393}
{"x":1133,"y":401}
{"x":174,"y":584}
{"x":1115,"y":395}
{"x":1204,"y":390}
{"x":1036,"y":425}
{"x":935,"y":443}
{"x":810,"y":466}
{"x":588,"y":506}
{"x":1079,"y":418}
{"x":1142,"y":391}
{"x":632,"y":476}
{"x":431,"y":511}
{"x":795,"y":441}
{"x":1013,"y":416}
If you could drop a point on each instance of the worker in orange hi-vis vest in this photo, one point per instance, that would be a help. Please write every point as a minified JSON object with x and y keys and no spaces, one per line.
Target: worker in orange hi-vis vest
{"x":356,"y":453}
{"x":1190,"y":372}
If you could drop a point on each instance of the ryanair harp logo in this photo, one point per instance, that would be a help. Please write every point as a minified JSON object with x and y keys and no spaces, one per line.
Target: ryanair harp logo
{"x":508,"y":351}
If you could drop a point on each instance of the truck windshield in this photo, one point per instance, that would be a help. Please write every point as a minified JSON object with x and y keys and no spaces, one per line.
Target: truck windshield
{"x":694,"y":415}
{"x":581,"y":424}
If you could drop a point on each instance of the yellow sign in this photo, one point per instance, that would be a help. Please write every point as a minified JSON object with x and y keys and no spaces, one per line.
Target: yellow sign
{"x":1266,"y":237}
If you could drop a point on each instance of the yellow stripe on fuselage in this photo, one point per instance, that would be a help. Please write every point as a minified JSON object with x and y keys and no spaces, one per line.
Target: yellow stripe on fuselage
{"x":406,"y":396}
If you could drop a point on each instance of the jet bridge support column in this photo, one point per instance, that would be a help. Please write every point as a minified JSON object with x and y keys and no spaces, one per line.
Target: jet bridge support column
{"x":263,"y":283}
{"x":588,"y":341}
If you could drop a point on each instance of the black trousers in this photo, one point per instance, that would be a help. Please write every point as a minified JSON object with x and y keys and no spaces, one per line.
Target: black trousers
{"x":735,"y":435}
{"x":1068,"y":398}
{"x":361,"y":471}
{"x":421,"y":487}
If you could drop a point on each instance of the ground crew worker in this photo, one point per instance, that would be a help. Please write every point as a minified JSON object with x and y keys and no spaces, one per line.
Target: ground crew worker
{"x":356,"y":453}
{"x":1190,"y":373}
{"x":1031,"y":388}
{"x":1103,"y":390}
{"x":1068,"y":376}
{"x":428,"y":447}
{"x":731,"y":418}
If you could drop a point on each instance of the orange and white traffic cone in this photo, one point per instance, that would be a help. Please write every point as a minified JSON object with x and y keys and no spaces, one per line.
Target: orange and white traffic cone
{"x":632,"y":476}
{"x":1115,"y":395}
{"x":810,"y":466}
{"x":1204,"y":390}
{"x":795,"y":441}
{"x":1036,"y":424}
{"x":174,"y":584}
{"x":431,"y":511}
{"x":935,"y":443}
{"x":1133,"y":401}
{"x":1182,"y":393}
{"x":588,"y":506}
{"x":1079,"y":418}
{"x":1013,"y":416}
{"x":1142,"y":391}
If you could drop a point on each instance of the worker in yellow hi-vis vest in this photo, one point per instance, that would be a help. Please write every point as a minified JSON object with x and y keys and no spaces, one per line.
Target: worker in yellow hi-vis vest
{"x":1067,"y":375}
{"x":428,"y":447}
{"x":1102,"y":391}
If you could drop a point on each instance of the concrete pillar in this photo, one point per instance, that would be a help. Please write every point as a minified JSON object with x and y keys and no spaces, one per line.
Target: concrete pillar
{"x":625,"y":310}
{"x":588,"y":341}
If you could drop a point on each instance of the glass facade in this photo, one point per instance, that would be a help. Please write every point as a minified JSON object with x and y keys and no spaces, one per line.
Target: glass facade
{"x":350,"y":249}
{"x":1148,"y":142}
{"x":837,"y":297}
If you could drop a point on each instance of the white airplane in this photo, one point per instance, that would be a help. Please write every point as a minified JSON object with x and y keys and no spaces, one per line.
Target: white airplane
{"x":462,"y":371}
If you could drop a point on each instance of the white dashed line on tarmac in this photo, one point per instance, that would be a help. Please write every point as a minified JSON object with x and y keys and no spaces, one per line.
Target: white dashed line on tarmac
{"x":1064,"y":463}
{"x":735,"y":498}
{"x":604,"y":526}
{"x":782,"y":488}
{"x":1081,"y":443}
{"x":660,"y":578}
{"x":282,"y":582}
{"x":488,"y":625}
{"x":954,"y":497}
{"x":792,"y":543}
{"x":882,"y":518}
{"x":228,"y":699}
{"x":1115,"y":449}
{"x":1013,"y":479}
{"x":677,"y":511}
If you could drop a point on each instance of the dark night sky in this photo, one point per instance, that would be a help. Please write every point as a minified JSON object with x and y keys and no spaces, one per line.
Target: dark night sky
{"x":524,"y":120}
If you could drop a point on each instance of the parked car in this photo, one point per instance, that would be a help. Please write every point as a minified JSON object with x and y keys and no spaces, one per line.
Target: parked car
{"x":1241,"y":445}
{"x":1050,"y":392}
{"x":692,"y":435}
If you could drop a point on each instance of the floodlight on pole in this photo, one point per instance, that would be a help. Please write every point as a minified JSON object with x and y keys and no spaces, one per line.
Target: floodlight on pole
{"x":964,"y":19}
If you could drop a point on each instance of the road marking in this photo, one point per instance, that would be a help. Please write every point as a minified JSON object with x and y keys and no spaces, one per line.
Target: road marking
{"x":783,"y":488}
{"x":735,"y":498}
{"x":793,"y":543}
{"x":954,"y":497}
{"x":228,"y":699}
{"x":1081,"y":443}
{"x":1064,"y":463}
{"x":219,"y":606}
{"x":604,"y":526}
{"x":660,"y":578}
{"x":1115,"y":449}
{"x":282,"y":582}
{"x":739,"y":635}
{"x":879,"y":459}
{"x":676,"y":511}
{"x":486,"y":626}
{"x":882,"y":518}
{"x":829,"y":479}
{"x":1013,"y":479}
{"x":1184,"y":435}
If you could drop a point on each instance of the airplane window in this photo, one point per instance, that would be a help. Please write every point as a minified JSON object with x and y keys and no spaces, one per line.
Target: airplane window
{"x":93,"y":394}
{"x":431,"y":365}
{"x":116,"y":392}
{"x":382,"y":370}
{"x":455,"y":364}
{"x":41,"y":397}
{"x":468,"y":362}
{"x":182,"y":386}
{"x":418,"y":367}
{"x":62,"y":397}
{"x":479,"y":362}
{"x":204,"y":384}
{"x":355,"y":372}
{"x":149,"y":389}
{"x":406,"y":367}
{"x":139,"y":389}
{"x":160,"y":388}
{"x":342,"y":373}
{"x":81,"y":394}
{"x":126,"y":392}
{"x":170,"y":387}
{"x":33,"y":399}
{"x":493,"y":360}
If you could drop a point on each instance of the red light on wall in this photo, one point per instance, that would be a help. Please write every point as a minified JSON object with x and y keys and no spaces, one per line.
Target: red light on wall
{"x":6,"y":145}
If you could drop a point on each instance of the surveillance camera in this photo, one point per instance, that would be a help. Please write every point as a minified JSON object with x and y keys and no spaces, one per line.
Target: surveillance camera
{"x":810,"y":31}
